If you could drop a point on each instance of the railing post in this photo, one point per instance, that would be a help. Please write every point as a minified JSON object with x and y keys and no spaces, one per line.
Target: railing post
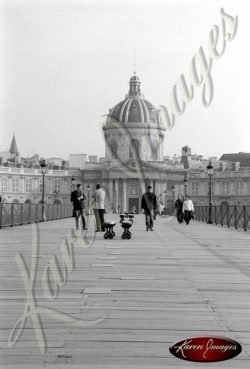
{"x":21,"y":214}
{"x":235,"y":217}
{"x":12,"y":214}
{"x":1,"y":214}
{"x":244,"y":218}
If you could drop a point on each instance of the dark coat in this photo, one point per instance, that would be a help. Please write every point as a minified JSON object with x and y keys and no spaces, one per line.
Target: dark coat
{"x":78,"y":203}
{"x":178,"y":204}
{"x":148,"y":201}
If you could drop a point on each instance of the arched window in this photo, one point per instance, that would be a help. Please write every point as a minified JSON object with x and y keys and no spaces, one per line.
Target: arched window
{"x":134,"y":149}
{"x":27,"y":201}
{"x":57,"y":202}
{"x":15,"y":201}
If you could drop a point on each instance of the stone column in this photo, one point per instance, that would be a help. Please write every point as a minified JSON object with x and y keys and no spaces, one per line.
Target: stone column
{"x":157,"y":187}
{"x":142,"y":187}
{"x":116,"y":194}
{"x":110,"y":193}
{"x":124,"y":195}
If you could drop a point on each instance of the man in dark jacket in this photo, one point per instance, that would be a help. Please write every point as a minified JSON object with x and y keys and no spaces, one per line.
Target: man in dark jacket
{"x":78,"y":199}
{"x":148,"y":204}
{"x":178,"y":206}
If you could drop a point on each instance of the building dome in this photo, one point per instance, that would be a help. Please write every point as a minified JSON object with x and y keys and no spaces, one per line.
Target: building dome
{"x":134,"y":128}
{"x":134,"y":108}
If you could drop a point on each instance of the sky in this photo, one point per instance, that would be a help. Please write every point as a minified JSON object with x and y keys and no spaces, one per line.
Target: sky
{"x":64,"y":64}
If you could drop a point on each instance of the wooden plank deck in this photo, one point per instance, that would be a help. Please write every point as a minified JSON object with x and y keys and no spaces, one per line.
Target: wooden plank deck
{"x":152,"y":291}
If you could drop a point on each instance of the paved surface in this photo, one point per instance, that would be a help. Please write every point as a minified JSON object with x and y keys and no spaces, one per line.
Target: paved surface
{"x":149,"y":292}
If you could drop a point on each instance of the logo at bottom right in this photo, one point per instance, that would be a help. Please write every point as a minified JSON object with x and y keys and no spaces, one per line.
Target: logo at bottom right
{"x":206,"y":349}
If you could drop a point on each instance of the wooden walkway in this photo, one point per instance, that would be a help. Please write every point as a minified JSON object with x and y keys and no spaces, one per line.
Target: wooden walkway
{"x":138,"y":296}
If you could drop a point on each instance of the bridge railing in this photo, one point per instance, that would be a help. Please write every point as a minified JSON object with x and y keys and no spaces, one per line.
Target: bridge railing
{"x":237,"y":216}
{"x":17,"y":214}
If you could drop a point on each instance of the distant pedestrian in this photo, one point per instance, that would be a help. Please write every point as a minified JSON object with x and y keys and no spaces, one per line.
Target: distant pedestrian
{"x":178,"y":206}
{"x":188,"y":209}
{"x":134,"y":209}
{"x":161,"y":208}
{"x":78,"y":200}
{"x":148,"y":204}
{"x":99,"y":207}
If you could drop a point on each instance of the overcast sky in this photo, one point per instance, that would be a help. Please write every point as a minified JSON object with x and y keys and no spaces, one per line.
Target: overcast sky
{"x":65,"y":63}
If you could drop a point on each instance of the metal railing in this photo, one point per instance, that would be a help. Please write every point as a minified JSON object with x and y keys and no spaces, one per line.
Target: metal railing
{"x":17,"y":214}
{"x":237,"y":216}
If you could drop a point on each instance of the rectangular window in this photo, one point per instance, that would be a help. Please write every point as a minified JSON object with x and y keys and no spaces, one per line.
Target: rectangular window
{"x":225,"y":188}
{"x":4,"y":184}
{"x":239,"y":188}
{"x":215,"y":188}
{"x":28,"y":185}
{"x":195,"y":188}
{"x":40,"y":184}
{"x":57,"y":185}
{"x":15,"y":184}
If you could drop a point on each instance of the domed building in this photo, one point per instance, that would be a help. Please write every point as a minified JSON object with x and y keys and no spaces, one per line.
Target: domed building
{"x":134,"y":127}
{"x":134,"y":134}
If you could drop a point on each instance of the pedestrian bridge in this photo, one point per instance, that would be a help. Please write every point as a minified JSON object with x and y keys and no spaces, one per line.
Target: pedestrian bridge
{"x":79,"y":301}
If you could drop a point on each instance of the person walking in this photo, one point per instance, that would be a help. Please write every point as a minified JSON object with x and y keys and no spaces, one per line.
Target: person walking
{"x":188,"y":209}
{"x":99,"y":207}
{"x":178,"y":206}
{"x":148,"y":204}
{"x":78,"y":200}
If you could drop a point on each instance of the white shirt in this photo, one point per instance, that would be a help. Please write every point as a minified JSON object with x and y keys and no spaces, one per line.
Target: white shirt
{"x":188,"y":205}
{"x":99,"y":197}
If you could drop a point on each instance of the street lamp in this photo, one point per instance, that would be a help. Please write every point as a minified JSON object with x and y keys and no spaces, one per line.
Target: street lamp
{"x":173,"y":189}
{"x":73,"y":182}
{"x":210,"y":174}
{"x":185,"y":185}
{"x":43,"y":166}
{"x":88,"y":189}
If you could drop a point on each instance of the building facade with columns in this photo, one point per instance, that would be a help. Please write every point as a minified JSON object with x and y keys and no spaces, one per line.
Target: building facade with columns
{"x":134,"y":135}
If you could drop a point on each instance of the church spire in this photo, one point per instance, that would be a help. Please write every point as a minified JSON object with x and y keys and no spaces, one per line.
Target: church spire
{"x":13,"y":146}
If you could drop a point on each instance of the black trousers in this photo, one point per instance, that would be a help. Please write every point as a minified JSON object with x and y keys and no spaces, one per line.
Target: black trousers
{"x":179,"y":215}
{"x":99,"y":217}
{"x":149,"y":218}
{"x":78,"y":214}
{"x":187,"y":216}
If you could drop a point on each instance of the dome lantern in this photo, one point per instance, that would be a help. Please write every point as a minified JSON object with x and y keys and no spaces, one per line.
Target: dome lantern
{"x":135,"y":86}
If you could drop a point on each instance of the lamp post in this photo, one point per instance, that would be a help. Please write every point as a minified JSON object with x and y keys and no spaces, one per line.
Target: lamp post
{"x":165,"y":210}
{"x":210,"y":174}
{"x":43,"y":167}
{"x":185,"y":185}
{"x":73,"y":183}
{"x":88,"y":189}
{"x":173,"y":189}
